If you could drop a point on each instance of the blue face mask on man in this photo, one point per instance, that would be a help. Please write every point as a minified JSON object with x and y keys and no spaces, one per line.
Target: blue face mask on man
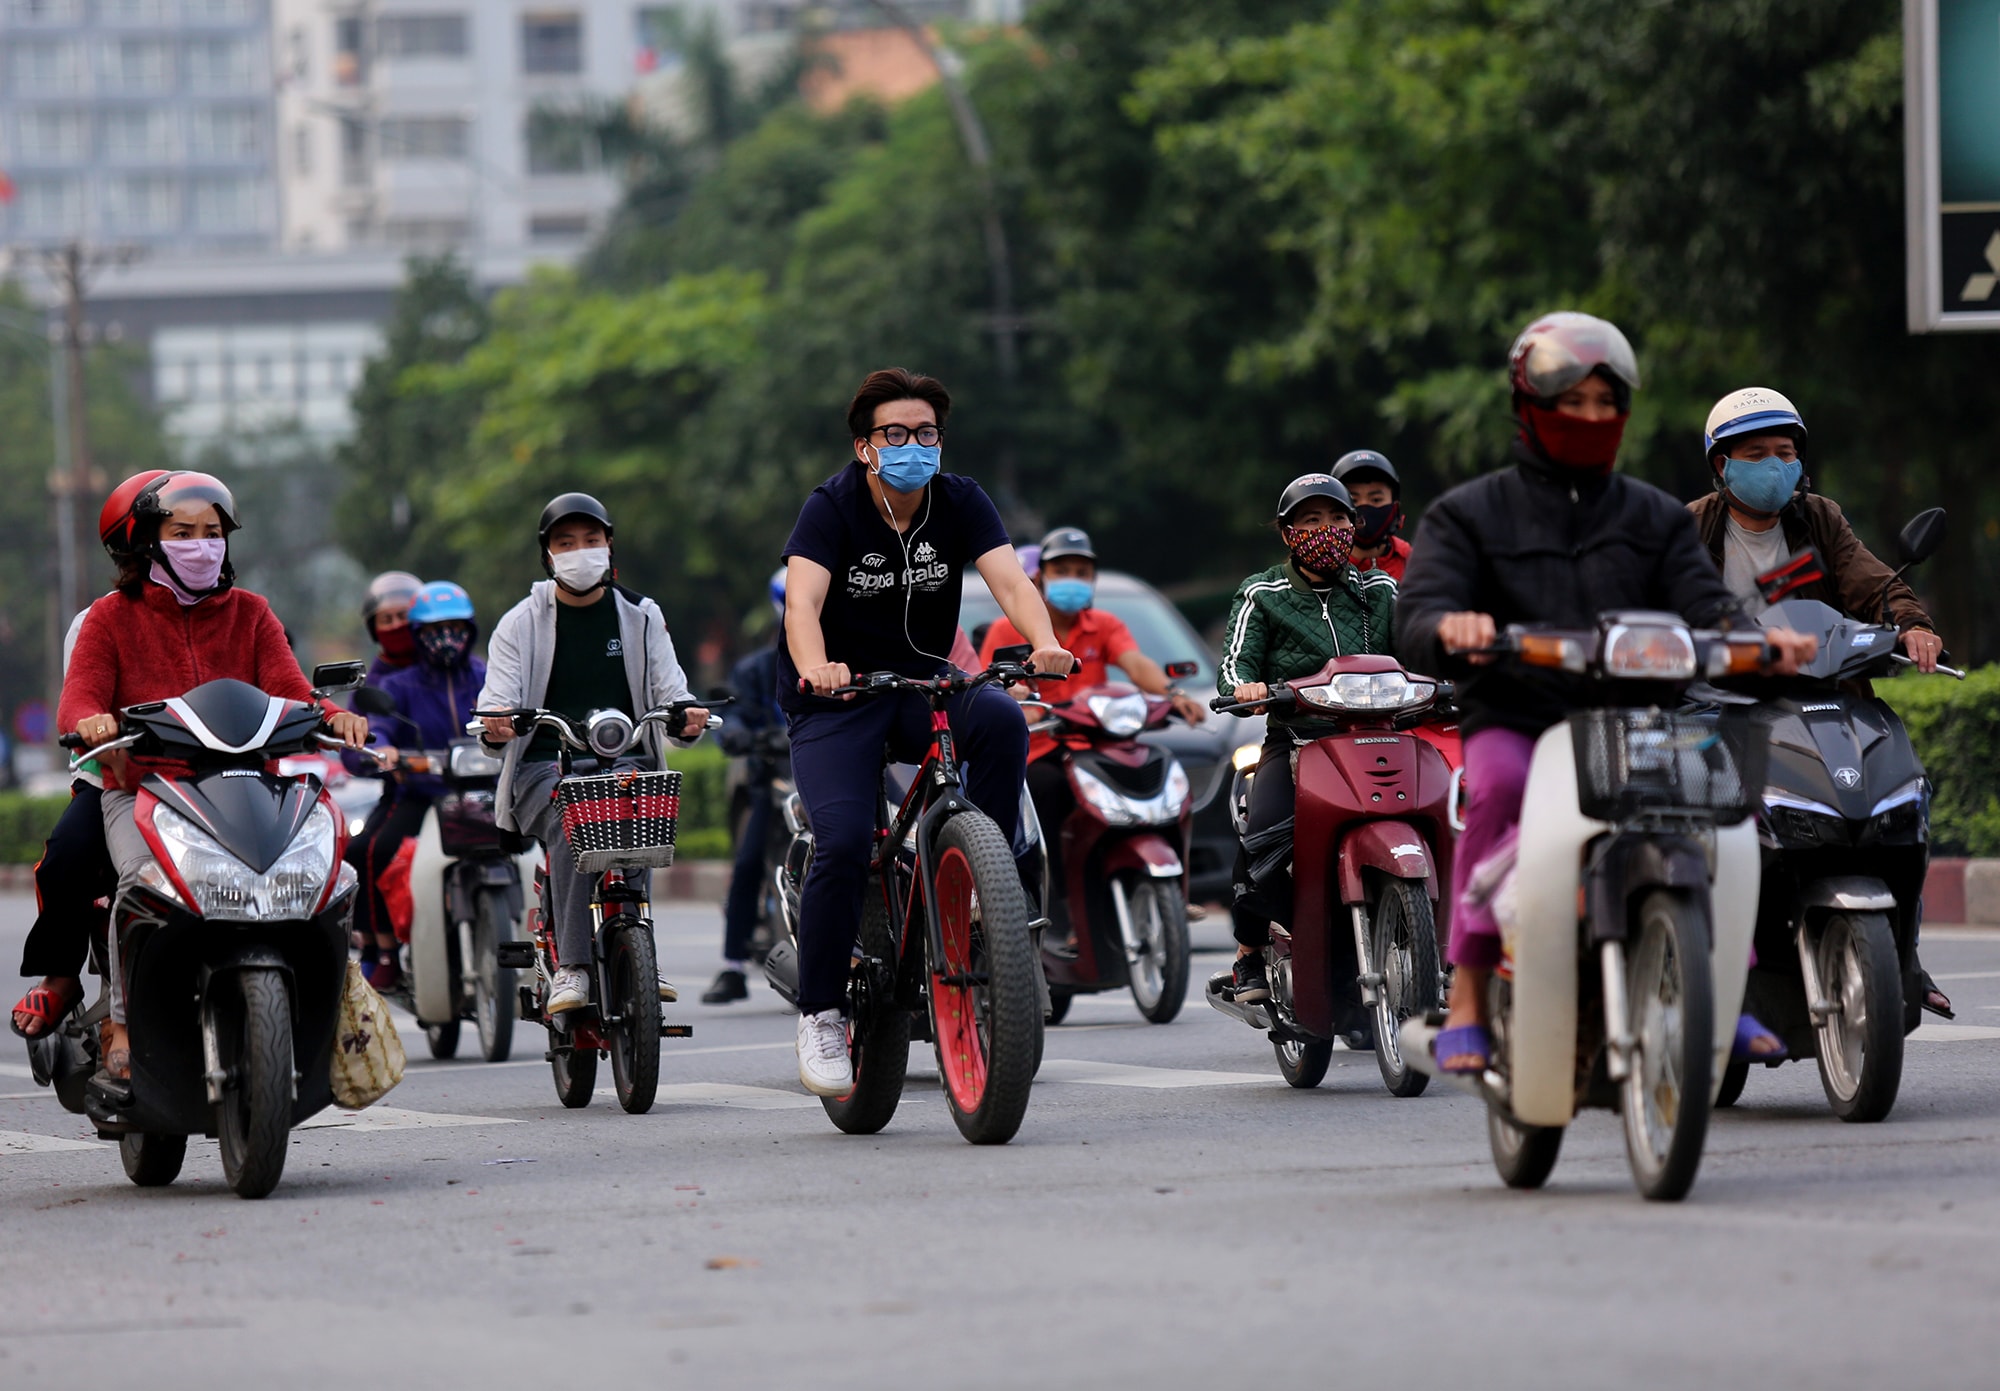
{"x":1762,"y":485}
{"x":1069,"y":596}
{"x":907,"y":467}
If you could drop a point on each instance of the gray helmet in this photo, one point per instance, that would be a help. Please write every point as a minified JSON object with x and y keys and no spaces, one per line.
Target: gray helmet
{"x":386,"y":588}
{"x":1366,"y":461}
{"x":1066,"y":541}
{"x":1312,"y":485}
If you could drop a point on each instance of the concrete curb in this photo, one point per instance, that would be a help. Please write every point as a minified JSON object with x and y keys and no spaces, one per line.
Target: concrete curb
{"x":690,"y":881}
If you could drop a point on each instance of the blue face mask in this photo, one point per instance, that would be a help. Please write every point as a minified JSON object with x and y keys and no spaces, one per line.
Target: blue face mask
{"x":1762,"y":485}
{"x":1069,"y":596}
{"x":907,"y":467}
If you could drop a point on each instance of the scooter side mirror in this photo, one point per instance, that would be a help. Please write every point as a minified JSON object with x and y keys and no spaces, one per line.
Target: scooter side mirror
{"x":1922,"y":537}
{"x":334,"y":677}
{"x":1013,"y":656}
{"x":1176,"y":670}
{"x":372,"y":700}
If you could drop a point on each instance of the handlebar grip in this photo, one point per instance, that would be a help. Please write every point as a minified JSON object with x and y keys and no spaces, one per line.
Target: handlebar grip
{"x":71,"y":741}
{"x":1220,"y":703}
{"x":1047,"y":676}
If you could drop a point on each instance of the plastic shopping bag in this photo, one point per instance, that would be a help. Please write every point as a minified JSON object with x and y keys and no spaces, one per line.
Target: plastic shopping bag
{"x":367,"y":1055}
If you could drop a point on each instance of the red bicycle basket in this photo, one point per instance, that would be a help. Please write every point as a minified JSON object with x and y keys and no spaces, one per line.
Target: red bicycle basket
{"x":620,"y":820}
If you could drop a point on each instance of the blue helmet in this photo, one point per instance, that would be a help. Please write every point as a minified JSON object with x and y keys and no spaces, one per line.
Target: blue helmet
{"x":440,"y":601}
{"x":777,"y":587}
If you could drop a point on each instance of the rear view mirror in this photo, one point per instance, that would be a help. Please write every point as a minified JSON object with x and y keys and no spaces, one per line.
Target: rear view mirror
{"x":372,"y":700}
{"x":1013,"y":656}
{"x":1176,"y":670}
{"x":1922,"y":537}
{"x":335,"y":677}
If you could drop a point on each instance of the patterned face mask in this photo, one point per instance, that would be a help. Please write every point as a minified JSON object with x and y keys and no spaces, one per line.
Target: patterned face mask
{"x":444,"y":645}
{"x":1321,"y":549}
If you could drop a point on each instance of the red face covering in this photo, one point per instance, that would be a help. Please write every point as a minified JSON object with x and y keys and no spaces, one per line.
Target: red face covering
{"x":1588,"y":445}
{"x":399,"y":645}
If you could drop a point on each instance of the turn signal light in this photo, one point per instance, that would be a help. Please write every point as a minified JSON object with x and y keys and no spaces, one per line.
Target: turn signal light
{"x":1547,"y":650}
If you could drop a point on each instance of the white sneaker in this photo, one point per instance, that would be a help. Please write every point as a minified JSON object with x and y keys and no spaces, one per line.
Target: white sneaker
{"x":823,"y":1061}
{"x":669,"y":992}
{"x":569,"y":990}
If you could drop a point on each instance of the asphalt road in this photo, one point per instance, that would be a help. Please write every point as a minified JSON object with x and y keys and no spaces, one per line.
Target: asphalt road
{"x":1170,"y":1215}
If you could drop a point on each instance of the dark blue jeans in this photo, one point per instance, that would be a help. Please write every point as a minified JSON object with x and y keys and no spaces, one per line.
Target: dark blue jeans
{"x":747,"y":878}
{"x":837,"y":762}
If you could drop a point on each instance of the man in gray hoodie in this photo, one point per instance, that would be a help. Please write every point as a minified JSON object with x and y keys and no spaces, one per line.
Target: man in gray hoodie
{"x":579,"y":642}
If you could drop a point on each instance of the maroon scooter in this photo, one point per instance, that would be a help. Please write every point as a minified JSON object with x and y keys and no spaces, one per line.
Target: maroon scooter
{"x":1370,"y":849}
{"x":1123,"y":854}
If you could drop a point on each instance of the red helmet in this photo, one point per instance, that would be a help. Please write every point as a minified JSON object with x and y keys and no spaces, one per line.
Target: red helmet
{"x":117,"y":527}
{"x":1557,"y":351}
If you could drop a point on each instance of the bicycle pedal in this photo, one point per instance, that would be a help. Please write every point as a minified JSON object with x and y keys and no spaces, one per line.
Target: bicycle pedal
{"x":677,"y":1031}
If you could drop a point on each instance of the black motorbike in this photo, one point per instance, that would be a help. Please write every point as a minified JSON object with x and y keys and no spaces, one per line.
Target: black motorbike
{"x":1845,"y":836}
{"x":234,"y":937}
{"x":762,"y":767}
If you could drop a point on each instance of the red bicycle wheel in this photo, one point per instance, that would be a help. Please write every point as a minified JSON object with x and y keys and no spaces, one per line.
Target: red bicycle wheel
{"x":961,"y":1044}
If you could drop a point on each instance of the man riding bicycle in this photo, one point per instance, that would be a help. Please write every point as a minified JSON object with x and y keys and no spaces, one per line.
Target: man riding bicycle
{"x":874,"y":568}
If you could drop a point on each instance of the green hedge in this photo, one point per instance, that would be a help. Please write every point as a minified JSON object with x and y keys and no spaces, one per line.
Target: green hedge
{"x":703,"y":833}
{"x":1955,"y":726}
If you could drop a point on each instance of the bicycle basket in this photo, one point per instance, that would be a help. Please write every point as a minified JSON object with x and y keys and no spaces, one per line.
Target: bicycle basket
{"x":620,"y":820}
{"x":1630,"y":762}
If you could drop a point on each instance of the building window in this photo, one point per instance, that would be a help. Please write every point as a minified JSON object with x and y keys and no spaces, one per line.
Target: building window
{"x":49,"y":207}
{"x":219,"y":11}
{"x":45,"y":68}
{"x":350,"y":57}
{"x":219,"y":65}
{"x":54,"y":137}
{"x":225,"y":204}
{"x":425,"y":137}
{"x":558,"y":227}
{"x":146,"y":133}
{"x":551,"y":42}
{"x":559,"y":144}
{"x":141,"y":203}
{"x":421,"y":36}
{"x":354,"y":164}
{"x":224,"y":133}
{"x":136,"y":65}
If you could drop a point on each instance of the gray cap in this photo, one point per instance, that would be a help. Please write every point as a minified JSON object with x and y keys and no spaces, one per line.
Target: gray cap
{"x":1068,"y":540}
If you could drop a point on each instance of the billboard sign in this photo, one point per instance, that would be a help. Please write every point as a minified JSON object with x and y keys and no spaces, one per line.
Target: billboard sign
{"x":1951,"y":88}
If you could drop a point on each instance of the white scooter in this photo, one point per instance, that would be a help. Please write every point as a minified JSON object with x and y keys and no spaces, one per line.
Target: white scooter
{"x":1628,"y":915}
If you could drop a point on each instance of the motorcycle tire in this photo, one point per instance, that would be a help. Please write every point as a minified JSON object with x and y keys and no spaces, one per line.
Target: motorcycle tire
{"x":254,"y":1117}
{"x":493,"y":997}
{"x":1861,"y":1041}
{"x":631,"y":969}
{"x":1523,"y":1155}
{"x":985,"y":1006}
{"x":881,"y":1056}
{"x":1403,"y":945}
{"x":575,"y":1075}
{"x":1734,"y":1078}
{"x":152,"y":1161}
{"x":1159,"y":919}
{"x":1303,"y":1064}
{"x":443,"y":1040}
{"x":1664,"y":1098}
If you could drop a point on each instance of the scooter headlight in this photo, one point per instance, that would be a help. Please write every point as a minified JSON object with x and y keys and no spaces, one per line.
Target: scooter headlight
{"x":1649,"y":652}
{"x":1377,"y":692}
{"x":227,"y":890}
{"x":1901,"y":818}
{"x":1120,"y":809}
{"x":1121,"y":715}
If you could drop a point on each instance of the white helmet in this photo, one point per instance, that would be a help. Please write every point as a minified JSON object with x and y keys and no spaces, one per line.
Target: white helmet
{"x":1755,"y":410}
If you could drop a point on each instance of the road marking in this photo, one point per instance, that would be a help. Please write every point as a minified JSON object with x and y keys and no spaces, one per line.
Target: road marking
{"x":1952,"y":1033}
{"x":22,"y":1142}
{"x":16,"y":1070}
{"x":1157,"y":1078}
{"x":1968,"y":975}
{"x":729,"y":1094}
{"x":395,"y":1118}
{"x":448,"y":1068}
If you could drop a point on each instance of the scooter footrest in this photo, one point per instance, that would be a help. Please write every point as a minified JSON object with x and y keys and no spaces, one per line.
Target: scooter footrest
{"x":525,"y":1005}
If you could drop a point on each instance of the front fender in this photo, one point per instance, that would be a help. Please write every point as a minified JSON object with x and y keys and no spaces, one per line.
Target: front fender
{"x":1149,"y":855}
{"x":1393,"y":848}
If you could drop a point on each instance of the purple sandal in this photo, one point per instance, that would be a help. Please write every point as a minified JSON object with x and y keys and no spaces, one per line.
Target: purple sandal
{"x":1464,"y":1041}
{"x":1748,"y":1032}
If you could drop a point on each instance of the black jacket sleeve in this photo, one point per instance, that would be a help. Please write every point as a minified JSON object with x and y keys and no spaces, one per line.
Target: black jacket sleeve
{"x":1689,"y":578}
{"x":1442,"y":577}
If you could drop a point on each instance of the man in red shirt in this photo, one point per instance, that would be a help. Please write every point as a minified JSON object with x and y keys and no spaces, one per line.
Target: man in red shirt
{"x":1372,"y":482}
{"x":1100,"y":641}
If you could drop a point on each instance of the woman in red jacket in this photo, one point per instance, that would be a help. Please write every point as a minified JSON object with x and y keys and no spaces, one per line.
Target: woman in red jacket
{"x":175,"y":621}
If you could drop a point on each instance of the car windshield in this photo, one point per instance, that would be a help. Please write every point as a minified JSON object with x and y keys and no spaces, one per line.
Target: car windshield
{"x":1157,"y":626}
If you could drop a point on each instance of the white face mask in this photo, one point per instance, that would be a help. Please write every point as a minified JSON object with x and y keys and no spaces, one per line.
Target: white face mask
{"x":581,"y":571}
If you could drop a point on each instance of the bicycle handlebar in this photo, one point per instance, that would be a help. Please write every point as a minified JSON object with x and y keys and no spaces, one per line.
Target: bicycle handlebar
{"x":875,"y":682}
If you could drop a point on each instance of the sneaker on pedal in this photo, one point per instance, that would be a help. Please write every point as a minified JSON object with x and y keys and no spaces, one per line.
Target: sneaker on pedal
{"x":1248,"y":982}
{"x":569,"y":990}
{"x":729,"y":985}
{"x":824,"y":1066}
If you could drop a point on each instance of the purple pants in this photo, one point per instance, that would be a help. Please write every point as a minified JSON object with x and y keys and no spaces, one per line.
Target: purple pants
{"x":1496,"y":777}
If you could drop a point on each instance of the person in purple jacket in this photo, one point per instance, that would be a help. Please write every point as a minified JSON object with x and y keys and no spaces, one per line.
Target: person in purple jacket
{"x":434,"y":699}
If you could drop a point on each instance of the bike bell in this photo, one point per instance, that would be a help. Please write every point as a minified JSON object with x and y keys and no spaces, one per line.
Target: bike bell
{"x":608,"y":732}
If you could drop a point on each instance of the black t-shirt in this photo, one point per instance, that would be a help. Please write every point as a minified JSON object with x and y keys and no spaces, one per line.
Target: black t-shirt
{"x":587,"y":670}
{"x":893,"y":601}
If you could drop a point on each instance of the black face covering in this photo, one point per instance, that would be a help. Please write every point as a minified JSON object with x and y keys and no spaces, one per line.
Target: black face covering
{"x":1373,"y":525}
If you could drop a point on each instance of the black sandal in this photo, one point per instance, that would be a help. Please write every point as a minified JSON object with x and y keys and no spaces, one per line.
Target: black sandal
{"x":1935,"y":1000}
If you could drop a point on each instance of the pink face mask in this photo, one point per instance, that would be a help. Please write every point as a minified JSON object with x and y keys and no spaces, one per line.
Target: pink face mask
{"x":197,"y":567}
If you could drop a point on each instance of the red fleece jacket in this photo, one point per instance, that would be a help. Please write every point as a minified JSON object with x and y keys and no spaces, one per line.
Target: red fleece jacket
{"x":150,"y":647}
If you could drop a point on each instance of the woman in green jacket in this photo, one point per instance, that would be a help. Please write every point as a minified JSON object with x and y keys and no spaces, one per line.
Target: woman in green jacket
{"x":1288,"y":622}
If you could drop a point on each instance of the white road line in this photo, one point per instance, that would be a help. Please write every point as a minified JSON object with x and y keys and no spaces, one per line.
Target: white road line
{"x":1952,"y":1033}
{"x":22,"y":1142}
{"x":16,"y":1070}
{"x":1158,"y":1078}
{"x":729,"y":1094}
{"x":396,"y":1118}
{"x":1967,"y":975}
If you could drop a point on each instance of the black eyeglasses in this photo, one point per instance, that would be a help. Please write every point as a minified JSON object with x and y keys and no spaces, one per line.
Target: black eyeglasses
{"x":893,"y":435}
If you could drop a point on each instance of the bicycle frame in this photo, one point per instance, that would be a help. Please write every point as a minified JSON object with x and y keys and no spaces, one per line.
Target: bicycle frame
{"x":936,"y":794}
